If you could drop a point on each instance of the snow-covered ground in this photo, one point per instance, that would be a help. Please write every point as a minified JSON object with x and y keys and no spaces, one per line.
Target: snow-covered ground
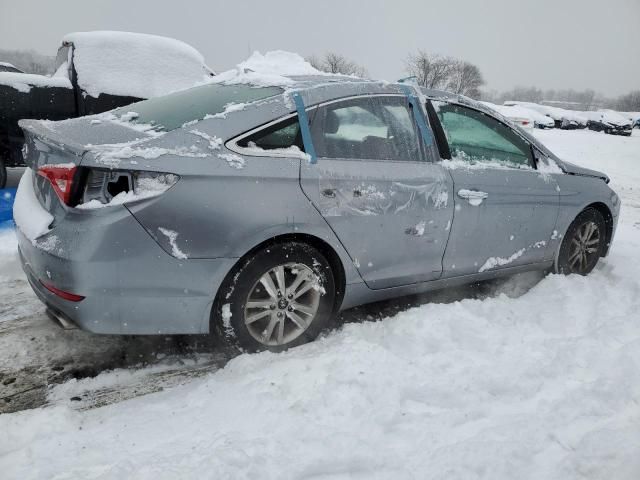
{"x":532,"y":378}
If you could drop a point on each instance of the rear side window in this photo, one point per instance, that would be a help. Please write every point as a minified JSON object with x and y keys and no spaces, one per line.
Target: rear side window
{"x":476,"y":137}
{"x":279,"y":136}
{"x":367,"y":128}
{"x":174,"y":110}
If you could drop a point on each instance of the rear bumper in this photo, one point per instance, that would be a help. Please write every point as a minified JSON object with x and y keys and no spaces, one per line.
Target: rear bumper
{"x":131,"y":285}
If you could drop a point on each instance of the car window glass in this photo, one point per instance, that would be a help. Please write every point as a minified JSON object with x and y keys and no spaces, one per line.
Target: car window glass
{"x":368,"y":128}
{"x":175,"y":109}
{"x":282,"y":135}
{"x":476,"y":137}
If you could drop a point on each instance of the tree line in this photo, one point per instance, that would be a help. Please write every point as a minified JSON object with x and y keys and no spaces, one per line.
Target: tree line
{"x":429,"y":70}
{"x":29,"y":61}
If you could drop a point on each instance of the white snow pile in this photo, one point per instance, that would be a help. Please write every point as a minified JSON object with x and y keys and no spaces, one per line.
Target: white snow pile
{"x":135,"y":64}
{"x":292,"y":151}
{"x":539,"y":381}
{"x":172,"y":236}
{"x":32,"y":220}
{"x":23,"y":82}
{"x":111,"y":154}
{"x":271,"y":69}
{"x":233,"y":160}
{"x":214,"y":142}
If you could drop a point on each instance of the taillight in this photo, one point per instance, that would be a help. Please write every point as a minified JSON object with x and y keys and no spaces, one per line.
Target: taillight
{"x":61,"y":179}
{"x":72,"y":297}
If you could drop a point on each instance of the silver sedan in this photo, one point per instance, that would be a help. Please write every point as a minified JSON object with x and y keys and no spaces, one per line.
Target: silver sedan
{"x":255,"y":213}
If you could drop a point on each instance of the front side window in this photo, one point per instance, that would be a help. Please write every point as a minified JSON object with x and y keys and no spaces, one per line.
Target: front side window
{"x":367,"y":128}
{"x":476,"y":137}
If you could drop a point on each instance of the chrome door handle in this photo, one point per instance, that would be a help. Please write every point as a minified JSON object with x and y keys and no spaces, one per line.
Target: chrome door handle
{"x":475,"y":197}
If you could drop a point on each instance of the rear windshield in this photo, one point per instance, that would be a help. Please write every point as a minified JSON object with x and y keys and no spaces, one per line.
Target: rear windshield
{"x":174,"y":110}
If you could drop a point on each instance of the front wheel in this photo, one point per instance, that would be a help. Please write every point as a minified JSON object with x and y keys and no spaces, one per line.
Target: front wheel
{"x":279,"y":297}
{"x":583,"y":244}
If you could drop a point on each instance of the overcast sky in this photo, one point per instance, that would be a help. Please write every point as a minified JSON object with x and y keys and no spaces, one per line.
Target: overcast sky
{"x":547,"y":43}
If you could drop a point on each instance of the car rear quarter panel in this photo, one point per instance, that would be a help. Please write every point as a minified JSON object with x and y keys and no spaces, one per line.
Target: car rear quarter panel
{"x":131,"y":285}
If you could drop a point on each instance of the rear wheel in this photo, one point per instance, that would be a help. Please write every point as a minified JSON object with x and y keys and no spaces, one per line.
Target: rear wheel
{"x":279,"y":297}
{"x":583,"y":244}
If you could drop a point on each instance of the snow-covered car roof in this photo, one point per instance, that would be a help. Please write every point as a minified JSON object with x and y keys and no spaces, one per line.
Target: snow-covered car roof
{"x":553,"y":112}
{"x":134,"y":64}
{"x":513,"y":111}
{"x":9,"y":67}
{"x":609,"y":116}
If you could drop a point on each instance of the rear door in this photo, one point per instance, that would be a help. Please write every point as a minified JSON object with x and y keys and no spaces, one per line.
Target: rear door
{"x":390,"y":207}
{"x":505,"y":209}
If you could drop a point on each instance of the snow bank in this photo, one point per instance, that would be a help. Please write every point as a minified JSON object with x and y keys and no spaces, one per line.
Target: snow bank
{"x":271,"y":69}
{"x":135,"y":64}
{"x":537,"y":385}
{"x":541,"y":386}
{"x":8,"y":243}
{"x":32,"y":220}
{"x":23,"y":82}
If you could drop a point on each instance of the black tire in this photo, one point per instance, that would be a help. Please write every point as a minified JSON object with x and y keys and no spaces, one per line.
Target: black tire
{"x":227,"y":321}
{"x":3,"y":174}
{"x":579,"y":252}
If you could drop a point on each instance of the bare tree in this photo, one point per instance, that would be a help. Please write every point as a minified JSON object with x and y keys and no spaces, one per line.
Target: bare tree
{"x":430,"y":70}
{"x":465,"y":78}
{"x":437,"y":71}
{"x":332,"y":62}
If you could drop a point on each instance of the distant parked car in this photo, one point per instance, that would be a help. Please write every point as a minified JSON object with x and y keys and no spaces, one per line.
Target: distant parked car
{"x":564,"y":119}
{"x":533,"y":118}
{"x":256,"y":212}
{"x":515,"y":114}
{"x":610,"y":122}
{"x":637,"y":124}
{"x":95,"y":72}
{"x":7,"y":67}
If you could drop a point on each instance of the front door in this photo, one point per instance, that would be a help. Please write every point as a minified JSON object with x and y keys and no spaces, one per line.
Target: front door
{"x":388,"y":205}
{"x":505,"y":209}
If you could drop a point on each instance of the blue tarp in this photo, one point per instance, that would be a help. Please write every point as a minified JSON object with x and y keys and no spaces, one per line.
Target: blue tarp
{"x":7,"y":195}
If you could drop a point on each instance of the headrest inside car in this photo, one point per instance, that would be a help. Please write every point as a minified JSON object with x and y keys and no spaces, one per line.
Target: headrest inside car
{"x":331,"y":122}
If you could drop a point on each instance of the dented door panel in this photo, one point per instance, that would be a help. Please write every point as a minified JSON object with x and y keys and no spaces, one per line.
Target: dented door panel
{"x":393,"y":218}
{"x":504,"y":217}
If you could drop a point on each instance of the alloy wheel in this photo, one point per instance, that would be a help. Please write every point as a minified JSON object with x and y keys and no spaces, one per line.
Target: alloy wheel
{"x":585,"y":247}
{"x":282,"y":304}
